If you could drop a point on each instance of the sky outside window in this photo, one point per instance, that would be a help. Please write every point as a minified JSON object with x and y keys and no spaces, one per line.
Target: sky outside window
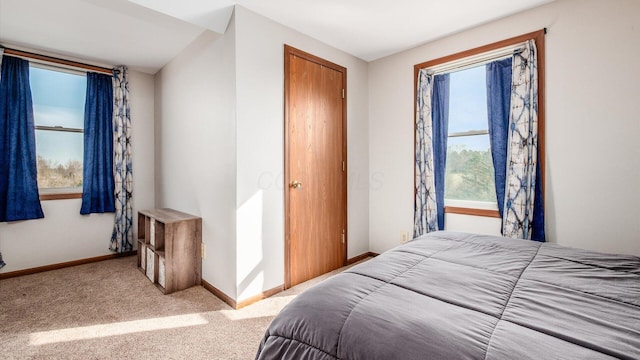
{"x":468,"y":105}
{"x":58,"y":100}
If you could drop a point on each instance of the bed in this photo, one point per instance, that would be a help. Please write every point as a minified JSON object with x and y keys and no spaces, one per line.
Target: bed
{"x":451,"y":295}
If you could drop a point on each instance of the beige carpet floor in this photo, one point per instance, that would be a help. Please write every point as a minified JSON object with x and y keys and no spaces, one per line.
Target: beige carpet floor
{"x":109,"y":310}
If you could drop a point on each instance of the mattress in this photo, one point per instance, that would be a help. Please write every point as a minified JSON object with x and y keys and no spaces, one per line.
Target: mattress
{"x":464,"y":296}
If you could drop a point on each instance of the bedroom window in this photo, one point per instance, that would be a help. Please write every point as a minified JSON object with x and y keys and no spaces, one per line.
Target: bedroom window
{"x":469,"y":174}
{"x":58,"y":108}
{"x":462,"y":126}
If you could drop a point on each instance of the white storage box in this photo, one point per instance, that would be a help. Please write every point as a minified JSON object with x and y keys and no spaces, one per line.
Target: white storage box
{"x":150,"y":265}
{"x":143,"y":257}
{"x":152,"y":233}
{"x":161,"y":271}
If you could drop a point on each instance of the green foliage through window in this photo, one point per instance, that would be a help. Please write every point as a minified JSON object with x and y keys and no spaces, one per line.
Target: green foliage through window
{"x":469,"y":175}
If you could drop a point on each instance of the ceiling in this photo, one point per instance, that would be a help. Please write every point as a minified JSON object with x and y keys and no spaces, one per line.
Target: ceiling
{"x":109,"y":32}
{"x":146,"y":34}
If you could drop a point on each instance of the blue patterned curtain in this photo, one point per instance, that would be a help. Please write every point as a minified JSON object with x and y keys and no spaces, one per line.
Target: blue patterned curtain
{"x":498,"y":109}
{"x":522,"y":146}
{"x":440,"y":117}
{"x":97,"y":182}
{"x":19,"y":197}
{"x":122,"y":237}
{"x":432,"y":118}
{"x":425,"y":218}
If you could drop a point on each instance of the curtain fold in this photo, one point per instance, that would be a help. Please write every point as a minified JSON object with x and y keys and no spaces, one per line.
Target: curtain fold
{"x":19,"y":197}
{"x":2,"y":263}
{"x":498,"y":109}
{"x":97,"y":183}
{"x":440,"y":117}
{"x":537,"y":231}
{"x":1,"y":55}
{"x":122,"y":236}
{"x":522,"y":146}
{"x":425,"y":218}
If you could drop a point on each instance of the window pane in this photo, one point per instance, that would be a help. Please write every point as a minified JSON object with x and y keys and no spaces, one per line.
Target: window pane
{"x":468,"y":100}
{"x":59,"y":159}
{"x":58,"y":100}
{"x":469,"y":171}
{"x":58,"y":97}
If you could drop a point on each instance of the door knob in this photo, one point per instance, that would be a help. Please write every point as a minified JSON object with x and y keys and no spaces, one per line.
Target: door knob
{"x":296,"y":184}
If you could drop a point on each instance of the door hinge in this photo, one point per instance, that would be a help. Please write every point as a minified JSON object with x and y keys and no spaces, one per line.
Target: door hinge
{"x":343,"y":165}
{"x":342,"y":236}
{"x":343,"y":93}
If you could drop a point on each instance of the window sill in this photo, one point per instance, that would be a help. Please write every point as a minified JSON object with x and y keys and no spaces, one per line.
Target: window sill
{"x":471,"y":211}
{"x":60,"y":196}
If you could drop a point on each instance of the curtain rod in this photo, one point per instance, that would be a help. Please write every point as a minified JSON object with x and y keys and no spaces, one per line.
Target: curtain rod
{"x":54,"y":60}
{"x":475,"y":60}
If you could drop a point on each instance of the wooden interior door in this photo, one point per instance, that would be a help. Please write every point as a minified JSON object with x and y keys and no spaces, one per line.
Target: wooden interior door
{"x":315,"y":166}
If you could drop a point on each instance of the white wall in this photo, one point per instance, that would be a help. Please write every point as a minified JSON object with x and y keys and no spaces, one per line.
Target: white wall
{"x":593,"y":152}
{"x":141,"y":90}
{"x":260,"y":150}
{"x":65,"y":235}
{"x":219,"y":148}
{"x":196,"y":146}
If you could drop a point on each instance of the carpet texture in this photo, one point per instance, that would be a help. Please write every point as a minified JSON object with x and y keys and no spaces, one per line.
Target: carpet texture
{"x":84,"y":312}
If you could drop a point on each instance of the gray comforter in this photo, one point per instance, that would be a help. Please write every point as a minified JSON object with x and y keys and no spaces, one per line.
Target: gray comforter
{"x":461,"y":296}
